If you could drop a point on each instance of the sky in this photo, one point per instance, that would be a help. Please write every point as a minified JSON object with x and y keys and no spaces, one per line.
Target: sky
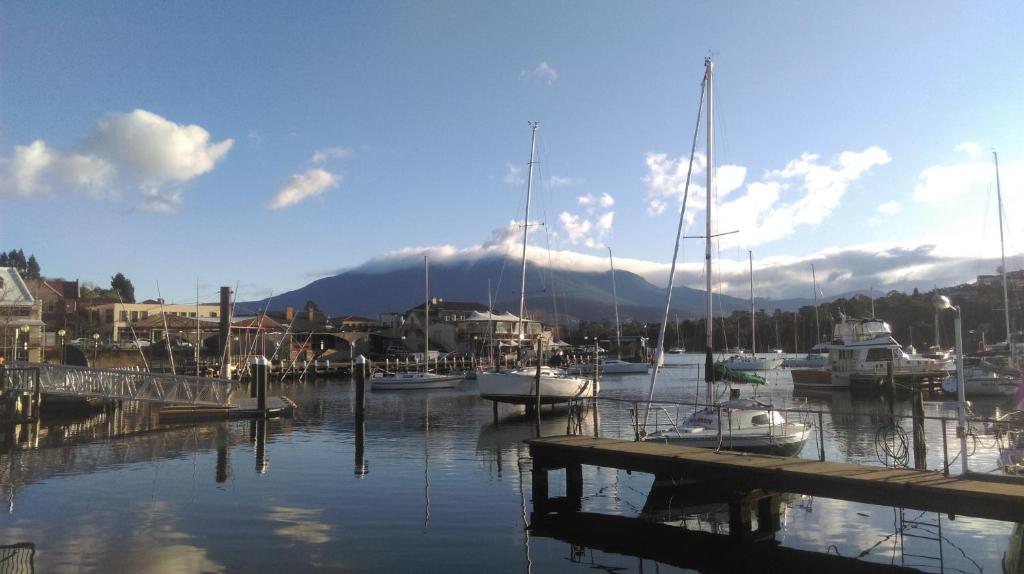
{"x":266,"y":145}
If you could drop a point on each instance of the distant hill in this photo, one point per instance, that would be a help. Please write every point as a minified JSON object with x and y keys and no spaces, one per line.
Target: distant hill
{"x":579,"y":295}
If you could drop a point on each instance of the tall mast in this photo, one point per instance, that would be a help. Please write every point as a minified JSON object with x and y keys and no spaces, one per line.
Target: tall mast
{"x":426,"y":315}
{"x":817,"y":321}
{"x":708,"y":341}
{"x":526,"y":228}
{"x":615,"y":298}
{"x":1002,"y":252}
{"x":753,"y":329}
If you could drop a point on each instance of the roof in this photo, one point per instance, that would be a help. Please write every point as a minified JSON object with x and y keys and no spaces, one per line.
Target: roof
{"x":353,"y":319}
{"x":174,"y":322}
{"x":487,"y":316}
{"x":440,"y":306}
{"x":13,"y":290}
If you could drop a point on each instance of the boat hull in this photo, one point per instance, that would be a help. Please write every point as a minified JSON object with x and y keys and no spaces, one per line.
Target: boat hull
{"x":788,"y":444}
{"x":817,"y":379}
{"x":519,"y":388}
{"x":746,"y":363}
{"x":413,"y":381}
{"x":981,"y":386}
{"x":624,"y":368}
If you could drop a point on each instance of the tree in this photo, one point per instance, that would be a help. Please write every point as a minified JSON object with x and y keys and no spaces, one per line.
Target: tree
{"x":124,"y":287}
{"x":32,"y":268}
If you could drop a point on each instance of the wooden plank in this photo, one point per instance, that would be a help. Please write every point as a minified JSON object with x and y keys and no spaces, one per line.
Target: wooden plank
{"x":921,"y":489}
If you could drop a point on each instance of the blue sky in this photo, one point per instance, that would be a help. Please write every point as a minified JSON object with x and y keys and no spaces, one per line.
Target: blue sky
{"x":270,"y":144}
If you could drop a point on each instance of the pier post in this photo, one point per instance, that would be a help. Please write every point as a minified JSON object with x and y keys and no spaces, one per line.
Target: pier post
{"x":920,"y":448}
{"x":573,"y":487}
{"x":768,"y":514}
{"x":359,"y":370}
{"x":259,"y":432}
{"x":260,"y":367}
{"x":539,"y":484}
{"x":537,"y":382}
{"x":739,"y":517}
{"x":223,"y":334}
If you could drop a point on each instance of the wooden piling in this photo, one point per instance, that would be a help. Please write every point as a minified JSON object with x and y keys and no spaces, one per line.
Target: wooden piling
{"x":920,"y":448}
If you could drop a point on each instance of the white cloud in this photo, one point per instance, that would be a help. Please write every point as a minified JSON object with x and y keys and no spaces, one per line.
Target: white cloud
{"x":587,"y":199}
{"x":331,"y":153}
{"x":575,"y":226}
{"x":544,"y":72}
{"x":606,"y":200}
{"x":604,"y":223}
{"x":155,"y":150}
{"x":139,"y":150}
{"x":302,"y":186}
{"x":972,"y":149}
{"x":513,"y":175}
{"x":804,"y":192}
{"x":556,"y":181}
{"x":890,"y":208}
{"x":940,"y":184}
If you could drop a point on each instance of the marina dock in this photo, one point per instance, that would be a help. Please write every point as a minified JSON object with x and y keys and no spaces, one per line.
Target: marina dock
{"x":982,"y":496}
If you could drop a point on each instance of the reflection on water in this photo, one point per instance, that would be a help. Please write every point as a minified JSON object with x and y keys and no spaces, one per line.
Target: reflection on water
{"x":431,"y":480}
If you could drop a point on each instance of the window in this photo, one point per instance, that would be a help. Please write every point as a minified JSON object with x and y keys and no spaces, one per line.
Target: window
{"x":145,"y":314}
{"x":884,"y":354}
{"x":108,"y":316}
{"x":213,"y":314}
{"x":193,"y":315}
{"x":759,"y":420}
{"x":135,"y":315}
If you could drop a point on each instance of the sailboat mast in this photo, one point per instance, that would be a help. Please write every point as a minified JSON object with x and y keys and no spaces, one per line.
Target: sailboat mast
{"x":526,"y":228}
{"x":615,"y":298}
{"x":708,"y":341}
{"x":753,"y":328}
{"x":1002,"y":252}
{"x":426,"y":315}
{"x":817,"y":321}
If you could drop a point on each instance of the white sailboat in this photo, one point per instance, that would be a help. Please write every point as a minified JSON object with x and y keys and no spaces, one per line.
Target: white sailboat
{"x":381,"y":381}
{"x":617,"y":366}
{"x":520,"y":386}
{"x":984,"y":378}
{"x":736,"y":424}
{"x":752,"y":362}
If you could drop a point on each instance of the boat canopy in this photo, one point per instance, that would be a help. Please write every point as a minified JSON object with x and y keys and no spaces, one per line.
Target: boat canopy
{"x":488,"y":316}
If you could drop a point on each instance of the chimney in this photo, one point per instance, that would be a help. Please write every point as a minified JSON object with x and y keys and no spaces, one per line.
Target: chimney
{"x":310,"y":311}
{"x":289,"y":313}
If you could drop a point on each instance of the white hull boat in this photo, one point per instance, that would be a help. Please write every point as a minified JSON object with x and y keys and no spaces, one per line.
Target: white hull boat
{"x":810,"y":361}
{"x":413,"y":381}
{"x":518,"y":386}
{"x":981,"y":384}
{"x":746,"y":425}
{"x":752,"y":363}
{"x":619,"y":367}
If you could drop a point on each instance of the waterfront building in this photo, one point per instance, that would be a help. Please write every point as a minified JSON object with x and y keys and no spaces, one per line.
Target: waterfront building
{"x":110,"y":318}
{"x":21,"y":319}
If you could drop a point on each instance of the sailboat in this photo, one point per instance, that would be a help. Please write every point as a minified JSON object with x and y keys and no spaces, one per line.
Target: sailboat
{"x":752,"y":362}
{"x":520,"y":386}
{"x":679,"y":349}
{"x":617,"y":366}
{"x":816,"y":375}
{"x":736,"y":424}
{"x":987,"y":377}
{"x":419,"y":380}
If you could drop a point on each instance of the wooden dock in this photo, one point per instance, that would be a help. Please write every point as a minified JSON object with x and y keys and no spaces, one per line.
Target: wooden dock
{"x":983,"y":496}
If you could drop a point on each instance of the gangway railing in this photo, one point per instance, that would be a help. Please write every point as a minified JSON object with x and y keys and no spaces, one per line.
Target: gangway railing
{"x":88,"y":382}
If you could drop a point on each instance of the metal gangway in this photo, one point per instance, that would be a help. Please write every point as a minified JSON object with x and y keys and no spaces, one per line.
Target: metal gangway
{"x":115,"y":384}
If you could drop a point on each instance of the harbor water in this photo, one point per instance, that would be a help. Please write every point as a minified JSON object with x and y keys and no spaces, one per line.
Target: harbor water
{"x":431,"y":483}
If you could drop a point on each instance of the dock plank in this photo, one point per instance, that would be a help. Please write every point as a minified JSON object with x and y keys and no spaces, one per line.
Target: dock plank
{"x":970,"y":495}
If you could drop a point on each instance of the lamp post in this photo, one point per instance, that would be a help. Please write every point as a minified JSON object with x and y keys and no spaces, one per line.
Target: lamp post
{"x":942,"y":303}
{"x":60,"y":338}
{"x":95,"y":346}
{"x":24,"y":329}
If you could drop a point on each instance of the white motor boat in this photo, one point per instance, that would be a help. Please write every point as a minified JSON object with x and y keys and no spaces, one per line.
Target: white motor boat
{"x":982,"y":379}
{"x":809,"y":361}
{"x":518,"y":386}
{"x":411,"y":381}
{"x":744,"y":425}
{"x":618,"y":366}
{"x":752,"y":363}
{"x":862,"y":349}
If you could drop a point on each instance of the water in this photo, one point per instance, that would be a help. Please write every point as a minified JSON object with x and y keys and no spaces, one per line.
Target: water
{"x":441,"y":487}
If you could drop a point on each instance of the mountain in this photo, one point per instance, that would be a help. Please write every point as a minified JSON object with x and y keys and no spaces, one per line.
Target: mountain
{"x":579,"y":294}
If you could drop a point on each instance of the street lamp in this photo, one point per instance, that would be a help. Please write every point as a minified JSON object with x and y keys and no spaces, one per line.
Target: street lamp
{"x":95,"y":346}
{"x":24,"y":329}
{"x":60,"y":337}
{"x":942,"y":303}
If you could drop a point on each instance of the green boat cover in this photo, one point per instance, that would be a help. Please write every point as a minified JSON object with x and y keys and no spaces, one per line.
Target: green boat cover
{"x":723,"y":373}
